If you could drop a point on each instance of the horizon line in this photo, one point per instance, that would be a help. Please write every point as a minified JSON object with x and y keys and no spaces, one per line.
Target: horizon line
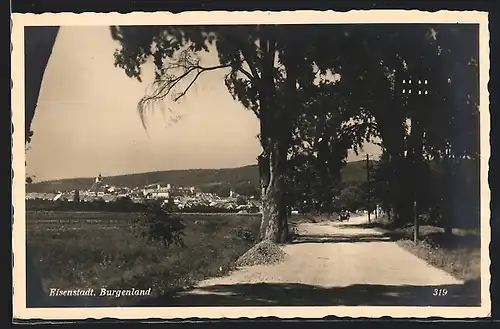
{"x":154,"y":171}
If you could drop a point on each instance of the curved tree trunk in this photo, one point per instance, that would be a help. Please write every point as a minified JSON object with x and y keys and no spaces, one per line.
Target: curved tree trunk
{"x":272,"y":161}
{"x":38,"y":45}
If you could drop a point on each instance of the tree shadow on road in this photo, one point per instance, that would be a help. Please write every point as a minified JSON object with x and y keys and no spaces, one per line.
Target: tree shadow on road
{"x":291,"y":294}
{"x":340,"y":238}
{"x":431,"y":234}
{"x":365,"y":225}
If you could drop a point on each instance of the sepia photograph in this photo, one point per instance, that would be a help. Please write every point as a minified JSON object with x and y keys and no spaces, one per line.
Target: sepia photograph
{"x":250,"y":163}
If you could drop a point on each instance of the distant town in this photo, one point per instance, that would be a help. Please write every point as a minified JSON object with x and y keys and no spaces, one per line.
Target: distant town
{"x":179,"y":197}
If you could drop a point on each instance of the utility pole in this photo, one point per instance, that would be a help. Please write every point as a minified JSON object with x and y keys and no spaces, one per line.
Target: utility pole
{"x":415,"y":223}
{"x":368,"y":185}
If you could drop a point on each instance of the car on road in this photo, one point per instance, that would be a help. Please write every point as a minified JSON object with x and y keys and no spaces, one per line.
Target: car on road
{"x":344,"y":215}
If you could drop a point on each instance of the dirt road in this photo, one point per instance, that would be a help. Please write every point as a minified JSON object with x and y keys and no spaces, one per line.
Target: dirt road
{"x":334,"y":263}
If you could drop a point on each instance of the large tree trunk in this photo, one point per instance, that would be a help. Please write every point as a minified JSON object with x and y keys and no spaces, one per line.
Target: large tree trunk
{"x":264,"y":172}
{"x":38,"y":44}
{"x":415,"y":170}
{"x":397,"y":186}
{"x":274,"y":140}
{"x":393,"y":139}
{"x":274,"y":225}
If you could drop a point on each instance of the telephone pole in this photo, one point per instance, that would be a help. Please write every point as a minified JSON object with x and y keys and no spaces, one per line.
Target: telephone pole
{"x":368,"y":185}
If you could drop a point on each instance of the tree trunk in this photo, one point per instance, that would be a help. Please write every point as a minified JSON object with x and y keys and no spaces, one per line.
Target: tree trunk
{"x":274,"y":225}
{"x":38,"y":42}
{"x":398,"y":191}
{"x":415,"y":169}
{"x":272,"y":162}
{"x":264,"y":173}
{"x":393,"y":138}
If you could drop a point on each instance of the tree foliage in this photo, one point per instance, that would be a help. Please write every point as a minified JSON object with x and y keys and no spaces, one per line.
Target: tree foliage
{"x":308,"y":122}
{"x":271,"y":71}
{"x":158,"y":224}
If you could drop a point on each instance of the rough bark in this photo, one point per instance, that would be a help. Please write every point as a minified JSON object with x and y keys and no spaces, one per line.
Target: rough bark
{"x":264,"y":172}
{"x":272,"y":166}
{"x":38,"y":43}
{"x":274,"y":226}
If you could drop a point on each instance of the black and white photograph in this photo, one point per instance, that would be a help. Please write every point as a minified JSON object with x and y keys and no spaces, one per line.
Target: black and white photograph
{"x":238,"y":164}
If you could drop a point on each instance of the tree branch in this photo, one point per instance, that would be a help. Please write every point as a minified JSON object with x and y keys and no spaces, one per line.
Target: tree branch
{"x":247,"y":74}
{"x":251,"y":65}
{"x":165,"y":85}
{"x":200,"y":71}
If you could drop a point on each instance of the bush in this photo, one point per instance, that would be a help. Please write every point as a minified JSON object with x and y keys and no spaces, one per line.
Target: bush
{"x":159,"y":225}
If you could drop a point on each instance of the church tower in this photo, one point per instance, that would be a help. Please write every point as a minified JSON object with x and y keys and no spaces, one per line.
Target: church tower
{"x":97,"y":184}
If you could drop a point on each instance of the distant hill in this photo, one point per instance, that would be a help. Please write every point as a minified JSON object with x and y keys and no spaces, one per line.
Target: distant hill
{"x":239,"y":179}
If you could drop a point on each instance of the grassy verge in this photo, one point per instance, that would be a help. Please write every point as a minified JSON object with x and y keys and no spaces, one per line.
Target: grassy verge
{"x":120,"y":258}
{"x":458,"y":254}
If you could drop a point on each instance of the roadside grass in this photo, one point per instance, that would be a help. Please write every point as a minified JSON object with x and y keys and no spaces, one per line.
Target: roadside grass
{"x":120,"y":258}
{"x":458,"y":254}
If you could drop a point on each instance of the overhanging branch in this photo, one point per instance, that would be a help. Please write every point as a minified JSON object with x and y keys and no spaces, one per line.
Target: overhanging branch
{"x":200,"y":71}
{"x":247,"y":74}
{"x":166,"y":84}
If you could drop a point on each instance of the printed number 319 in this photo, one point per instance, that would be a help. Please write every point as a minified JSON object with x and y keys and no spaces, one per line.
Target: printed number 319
{"x":440,"y":292}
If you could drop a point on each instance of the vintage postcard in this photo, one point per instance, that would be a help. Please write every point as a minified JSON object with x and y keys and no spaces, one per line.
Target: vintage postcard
{"x":251,"y":164}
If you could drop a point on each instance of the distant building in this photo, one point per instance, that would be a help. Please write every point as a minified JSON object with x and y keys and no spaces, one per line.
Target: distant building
{"x":161,"y":195}
{"x":97,"y":186}
{"x":50,"y":196}
{"x":109,"y":198}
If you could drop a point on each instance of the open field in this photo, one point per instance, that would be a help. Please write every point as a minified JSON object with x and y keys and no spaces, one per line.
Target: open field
{"x":73,"y":250}
{"x":76,"y":220}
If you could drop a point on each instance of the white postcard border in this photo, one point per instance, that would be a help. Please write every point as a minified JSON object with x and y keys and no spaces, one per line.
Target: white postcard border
{"x":227,"y":18}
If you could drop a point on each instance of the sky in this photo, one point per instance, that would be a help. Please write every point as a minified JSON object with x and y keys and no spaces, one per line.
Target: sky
{"x":86,"y":122}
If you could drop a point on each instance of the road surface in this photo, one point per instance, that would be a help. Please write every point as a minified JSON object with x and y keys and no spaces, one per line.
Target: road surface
{"x":334,"y":263}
